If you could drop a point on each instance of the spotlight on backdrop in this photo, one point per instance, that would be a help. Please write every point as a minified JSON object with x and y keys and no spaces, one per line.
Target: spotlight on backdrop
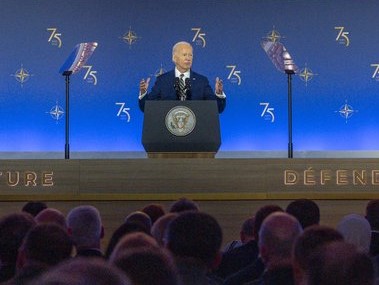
{"x":76,"y":60}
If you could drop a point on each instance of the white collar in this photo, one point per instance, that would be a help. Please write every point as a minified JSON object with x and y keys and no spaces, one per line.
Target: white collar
{"x":186,"y":74}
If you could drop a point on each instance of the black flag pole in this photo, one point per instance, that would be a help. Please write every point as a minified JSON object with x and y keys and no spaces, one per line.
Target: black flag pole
{"x":78,"y":57}
{"x":284,"y":63}
{"x":67,"y":125}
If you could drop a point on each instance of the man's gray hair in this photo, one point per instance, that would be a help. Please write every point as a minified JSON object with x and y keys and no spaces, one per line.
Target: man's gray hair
{"x":174,"y":48}
{"x":85,"y":224}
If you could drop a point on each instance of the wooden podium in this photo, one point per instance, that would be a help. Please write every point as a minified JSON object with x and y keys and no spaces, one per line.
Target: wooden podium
{"x":181,"y":129}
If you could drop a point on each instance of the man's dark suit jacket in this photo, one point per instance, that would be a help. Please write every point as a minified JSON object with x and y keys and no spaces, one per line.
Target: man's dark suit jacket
{"x":164,"y":89}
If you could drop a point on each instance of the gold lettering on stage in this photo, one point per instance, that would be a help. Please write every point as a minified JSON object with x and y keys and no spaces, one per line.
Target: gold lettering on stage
{"x":13,"y":180}
{"x":359,"y":177}
{"x":27,"y":178}
{"x":47,"y":179}
{"x":309,"y":177}
{"x":339,"y":177}
{"x":325,"y":175}
{"x":375,"y":177}
{"x":290,"y":177}
{"x":30,"y":178}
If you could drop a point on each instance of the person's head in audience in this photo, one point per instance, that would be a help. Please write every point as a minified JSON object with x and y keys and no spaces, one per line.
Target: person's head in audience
{"x":277,"y":236}
{"x":51,"y":215}
{"x":372,"y":213}
{"x":122,"y":230}
{"x":86,"y":230}
{"x":338,"y":263}
{"x":312,"y":238}
{"x":130,"y":241}
{"x":195,"y":235}
{"x":184,"y":204}
{"x":140,"y":218}
{"x":159,"y":228}
{"x":147,"y":266}
{"x":83,"y":271}
{"x":306,"y":211}
{"x":356,"y":230}
{"x":154,"y":211}
{"x":247,"y":230}
{"x":34,"y":207}
{"x":47,"y":243}
{"x":13,"y":228}
{"x":261,"y":214}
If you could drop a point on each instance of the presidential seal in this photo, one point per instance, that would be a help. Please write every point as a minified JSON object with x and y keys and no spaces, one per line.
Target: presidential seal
{"x":180,"y":121}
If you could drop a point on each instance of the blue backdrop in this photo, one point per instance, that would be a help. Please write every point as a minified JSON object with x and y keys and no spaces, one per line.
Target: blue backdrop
{"x":334,"y":44}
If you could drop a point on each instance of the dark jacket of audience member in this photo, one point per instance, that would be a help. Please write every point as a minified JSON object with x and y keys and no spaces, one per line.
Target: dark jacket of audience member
{"x":253,"y":269}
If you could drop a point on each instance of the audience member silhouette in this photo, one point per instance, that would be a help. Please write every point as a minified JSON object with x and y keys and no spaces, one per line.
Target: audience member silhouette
{"x":312,"y":238}
{"x":140,"y":218}
{"x":372,"y":216}
{"x":159,"y":228}
{"x":13,"y":228}
{"x":83,"y":271}
{"x":246,"y":234}
{"x":34,"y":207}
{"x":33,"y":251}
{"x":356,"y":230}
{"x":121,"y":231}
{"x":277,"y":236}
{"x":51,"y":215}
{"x":86,"y":230}
{"x":131,"y":241}
{"x":184,"y":204}
{"x":237,"y":258}
{"x":247,"y":266}
{"x":147,"y":266}
{"x":194,"y":238}
{"x":305,"y":211}
{"x":154,"y":211}
{"x":340,"y":263}
{"x":45,"y":245}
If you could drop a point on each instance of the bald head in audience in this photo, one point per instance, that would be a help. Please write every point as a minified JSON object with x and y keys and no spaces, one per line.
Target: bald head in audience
{"x":51,"y":215}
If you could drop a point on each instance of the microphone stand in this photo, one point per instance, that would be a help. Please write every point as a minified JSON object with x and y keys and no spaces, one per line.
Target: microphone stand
{"x":67,"y":74}
{"x":289,"y":82}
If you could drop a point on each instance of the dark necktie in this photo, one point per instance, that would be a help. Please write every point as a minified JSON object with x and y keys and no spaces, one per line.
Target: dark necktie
{"x":182,"y":92}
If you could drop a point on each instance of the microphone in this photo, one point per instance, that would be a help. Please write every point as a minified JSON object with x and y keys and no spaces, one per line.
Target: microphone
{"x":187,"y":88}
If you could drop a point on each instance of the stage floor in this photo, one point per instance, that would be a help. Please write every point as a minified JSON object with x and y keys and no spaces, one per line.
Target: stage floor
{"x":200,"y":179}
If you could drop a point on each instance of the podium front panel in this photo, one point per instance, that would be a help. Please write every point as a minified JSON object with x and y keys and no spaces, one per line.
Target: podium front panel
{"x":158,"y":136}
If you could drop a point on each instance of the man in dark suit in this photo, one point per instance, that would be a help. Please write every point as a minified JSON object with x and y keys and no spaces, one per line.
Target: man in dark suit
{"x":196,"y":87}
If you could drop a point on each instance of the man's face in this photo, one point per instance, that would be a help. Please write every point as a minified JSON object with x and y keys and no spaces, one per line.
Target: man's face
{"x":182,"y":57}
